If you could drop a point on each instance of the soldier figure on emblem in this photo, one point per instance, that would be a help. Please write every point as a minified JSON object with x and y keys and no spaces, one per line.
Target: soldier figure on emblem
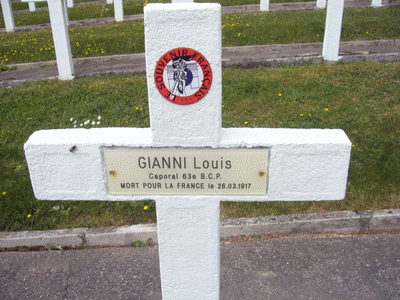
{"x":182,"y":76}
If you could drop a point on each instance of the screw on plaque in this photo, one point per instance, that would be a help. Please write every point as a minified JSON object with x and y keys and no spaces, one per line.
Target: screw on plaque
{"x":261,"y":173}
{"x":112,"y":173}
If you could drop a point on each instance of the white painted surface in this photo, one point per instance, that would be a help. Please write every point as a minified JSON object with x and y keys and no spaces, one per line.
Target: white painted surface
{"x":321,"y":4}
{"x":376,"y":3}
{"x":333,"y":27}
{"x":70,"y":3}
{"x":188,"y":235}
{"x":264,"y":5}
{"x":64,"y":2}
{"x":188,"y":226}
{"x":191,"y":25}
{"x":8,"y":15}
{"x":305,"y":164}
{"x":109,"y":1}
{"x":181,"y":1}
{"x":119,"y":10}
{"x":59,"y":28}
{"x":32,"y":6}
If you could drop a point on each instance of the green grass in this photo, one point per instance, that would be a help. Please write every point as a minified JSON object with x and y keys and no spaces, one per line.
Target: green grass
{"x":100,"y":10}
{"x":239,"y":29}
{"x":16,"y":6}
{"x":362,"y":98}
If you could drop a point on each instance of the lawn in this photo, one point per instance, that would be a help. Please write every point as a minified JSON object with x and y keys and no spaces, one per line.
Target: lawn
{"x":362,"y":98}
{"x":17,"y":5}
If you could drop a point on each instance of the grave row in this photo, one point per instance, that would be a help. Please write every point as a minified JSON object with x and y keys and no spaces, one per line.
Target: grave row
{"x":119,"y":10}
{"x":59,"y":24}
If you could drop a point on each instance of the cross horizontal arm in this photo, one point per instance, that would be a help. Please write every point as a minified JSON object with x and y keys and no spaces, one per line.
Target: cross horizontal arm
{"x":304,"y":164}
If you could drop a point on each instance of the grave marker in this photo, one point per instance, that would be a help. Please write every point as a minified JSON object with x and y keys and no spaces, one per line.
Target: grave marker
{"x":185,"y":161}
{"x":264,"y":5}
{"x":8,"y":15}
{"x":32,"y":6}
{"x":118,"y":10}
{"x":59,"y":27}
{"x":333,"y":27}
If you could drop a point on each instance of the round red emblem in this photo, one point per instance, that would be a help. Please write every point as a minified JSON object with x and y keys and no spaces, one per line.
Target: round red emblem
{"x":183,"y":76}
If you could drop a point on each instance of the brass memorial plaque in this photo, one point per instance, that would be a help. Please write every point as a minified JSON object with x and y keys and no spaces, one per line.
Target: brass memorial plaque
{"x":183,"y":171}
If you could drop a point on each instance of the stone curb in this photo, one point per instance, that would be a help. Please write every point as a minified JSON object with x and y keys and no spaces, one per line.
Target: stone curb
{"x":336,"y":222}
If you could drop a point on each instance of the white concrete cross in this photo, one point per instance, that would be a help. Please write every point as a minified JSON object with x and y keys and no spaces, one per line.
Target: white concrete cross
{"x":8,"y":15}
{"x":185,"y":161}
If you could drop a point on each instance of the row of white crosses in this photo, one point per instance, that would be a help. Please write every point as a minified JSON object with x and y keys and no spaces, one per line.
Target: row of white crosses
{"x":9,"y":17}
{"x":59,"y":24}
{"x":185,"y":161}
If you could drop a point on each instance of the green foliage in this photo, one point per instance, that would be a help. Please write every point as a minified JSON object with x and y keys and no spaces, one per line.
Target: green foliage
{"x":363,"y":99}
{"x":284,"y":27}
{"x":4,"y":67}
{"x":139,"y":243}
{"x":121,"y":102}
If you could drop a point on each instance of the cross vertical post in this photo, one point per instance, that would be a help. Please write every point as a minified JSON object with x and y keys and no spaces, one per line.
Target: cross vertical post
{"x":8,"y":15}
{"x":321,"y":4}
{"x":32,"y":6}
{"x":188,"y":229}
{"x":119,"y":10}
{"x":62,"y":47}
{"x":333,"y":27}
{"x":264,"y":5}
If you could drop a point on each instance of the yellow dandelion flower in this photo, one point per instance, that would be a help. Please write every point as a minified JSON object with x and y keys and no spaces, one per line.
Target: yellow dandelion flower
{"x":145,"y":207}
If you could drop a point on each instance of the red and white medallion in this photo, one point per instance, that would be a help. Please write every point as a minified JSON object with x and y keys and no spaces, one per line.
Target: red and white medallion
{"x":183,"y":76}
